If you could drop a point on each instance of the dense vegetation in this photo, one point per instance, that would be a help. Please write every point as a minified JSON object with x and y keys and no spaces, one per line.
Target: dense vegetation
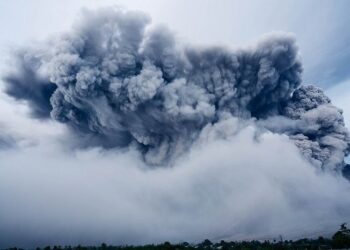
{"x":340,"y":240}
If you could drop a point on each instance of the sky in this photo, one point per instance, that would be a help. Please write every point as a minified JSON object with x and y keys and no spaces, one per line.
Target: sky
{"x":235,"y":181}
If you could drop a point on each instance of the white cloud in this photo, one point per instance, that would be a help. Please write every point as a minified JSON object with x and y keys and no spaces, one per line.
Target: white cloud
{"x":232,"y":185}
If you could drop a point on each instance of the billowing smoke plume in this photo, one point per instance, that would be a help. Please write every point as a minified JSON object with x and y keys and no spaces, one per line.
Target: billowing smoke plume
{"x":120,"y":83}
{"x":234,"y":183}
{"x":315,"y":125}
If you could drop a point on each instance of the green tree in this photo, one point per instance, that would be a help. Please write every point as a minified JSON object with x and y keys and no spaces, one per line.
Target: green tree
{"x":341,"y":239}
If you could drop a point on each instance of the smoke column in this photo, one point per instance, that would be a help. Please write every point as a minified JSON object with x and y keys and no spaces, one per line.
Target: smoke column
{"x":121,"y":85}
{"x":137,"y":138}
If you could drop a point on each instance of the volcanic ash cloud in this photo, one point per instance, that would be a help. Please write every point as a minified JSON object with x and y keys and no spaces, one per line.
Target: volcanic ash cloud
{"x":137,"y":138}
{"x":117,"y":82}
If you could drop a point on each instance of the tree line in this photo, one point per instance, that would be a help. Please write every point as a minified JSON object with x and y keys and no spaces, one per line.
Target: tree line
{"x":340,"y":240}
